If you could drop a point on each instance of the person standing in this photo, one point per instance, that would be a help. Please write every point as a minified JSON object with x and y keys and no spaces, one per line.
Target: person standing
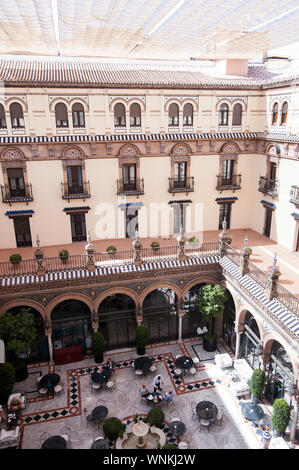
{"x":158,"y":381}
{"x":168,"y":396}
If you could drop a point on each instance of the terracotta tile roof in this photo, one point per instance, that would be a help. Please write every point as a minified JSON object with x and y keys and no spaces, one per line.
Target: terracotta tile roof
{"x":91,"y":72}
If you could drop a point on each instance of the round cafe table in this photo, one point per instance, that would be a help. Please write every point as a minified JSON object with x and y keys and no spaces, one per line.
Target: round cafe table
{"x":206,"y":410}
{"x":177,"y":428}
{"x":252,"y":411}
{"x":101,"y":377}
{"x":100,"y":444}
{"x":54,"y":442}
{"x":184,"y":362}
{"x":99,"y":412}
{"x":151,"y":400}
{"x":143,"y":363}
{"x":49,"y":380}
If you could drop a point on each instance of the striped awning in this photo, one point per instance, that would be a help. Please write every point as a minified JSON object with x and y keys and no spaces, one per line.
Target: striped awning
{"x":226,"y":199}
{"x":180,"y":201}
{"x":21,"y":212}
{"x":131,"y":204}
{"x":268,"y":204}
{"x":76,"y":209}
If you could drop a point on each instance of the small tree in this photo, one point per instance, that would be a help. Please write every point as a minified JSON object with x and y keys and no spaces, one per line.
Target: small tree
{"x":141,"y":338}
{"x":281,"y":415}
{"x":7,"y":380}
{"x":98,"y":346}
{"x":211,"y":303}
{"x":18,"y":331}
{"x":257,"y":382}
{"x":113,"y":428}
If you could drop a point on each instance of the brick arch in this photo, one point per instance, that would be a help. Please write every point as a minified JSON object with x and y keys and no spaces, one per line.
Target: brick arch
{"x":189,"y":100}
{"x":117,"y":100}
{"x":71,"y":296}
{"x":275,"y":146}
{"x":160,"y":285}
{"x":177,"y":149}
{"x":137,"y":101}
{"x":59,"y":99}
{"x":23,"y":302}
{"x":241,"y":314}
{"x":171,"y":101}
{"x":116,"y":290}
{"x":193,"y":283}
{"x":18,"y":154}
{"x":225,"y":148}
{"x":269,"y":337}
{"x":224,"y":101}
{"x":15,"y":99}
{"x":129,"y":149}
{"x":69,"y":148}
{"x":77,"y":99}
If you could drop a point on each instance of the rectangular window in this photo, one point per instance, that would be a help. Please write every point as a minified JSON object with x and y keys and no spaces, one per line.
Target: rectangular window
{"x":129,"y":177}
{"x":131,"y":221}
{"x":22,"y":231}
{"x":179,"y":217}
{"x":78,"y":227}
{"x":225,"y":213}
{"x":268,"y":220}
{"x":74,"y":179}
{"x":227,"y":171}
{"x":16,"y":182}
{"x":180,"y":175}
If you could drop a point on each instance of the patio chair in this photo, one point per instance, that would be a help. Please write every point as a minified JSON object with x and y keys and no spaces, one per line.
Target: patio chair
{"x":178,"y":372}
{"x":38,"y":379}
{"x":110,"y":384}
{"x":58,"y":388}
{"x":101,"y":403}
{"x":204,"y":424}
{"x":192,"y":371}
{"x":138,"y":372}
{"x":90,"y":419}
{"x":196,"y":362}
{"x":193,"y":409}
{"x":178,"y":355}
{"x":174,"y":415}
{"x":95,"y":386}
{"x":153,"y":368}
{"x":44,"y":436}
{"x":219,"y":415}
{"x":43,"y":391}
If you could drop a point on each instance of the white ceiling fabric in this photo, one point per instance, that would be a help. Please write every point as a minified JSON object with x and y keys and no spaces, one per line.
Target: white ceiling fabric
{"x":206,"y":29}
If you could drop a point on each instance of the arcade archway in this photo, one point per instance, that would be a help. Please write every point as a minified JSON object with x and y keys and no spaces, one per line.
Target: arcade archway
{"x":160,"y":314}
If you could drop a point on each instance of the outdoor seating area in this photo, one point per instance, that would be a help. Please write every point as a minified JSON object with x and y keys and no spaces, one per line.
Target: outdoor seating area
{"x":200,"y":411}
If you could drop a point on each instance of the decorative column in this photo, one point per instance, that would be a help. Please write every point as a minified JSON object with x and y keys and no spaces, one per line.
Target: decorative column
{"x":181,"y":246}
{"x":139,"y":315}
{"x":137,"y":250}
{"x":223,"y":237}
{"x":95,"y":321}
{"x":48,"y":333}
{"x":39,"y":256}
{"x":245,"y":254}
{"x":239,"y":330}
{"x":265,"y":358}
{"x":181,"y":313}
{"x":271,"y":290}
{"x":89,"y":251}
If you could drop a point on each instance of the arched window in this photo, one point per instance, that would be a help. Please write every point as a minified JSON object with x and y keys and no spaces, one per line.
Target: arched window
{"x":275,"y":114}
{"x":16,"y":115}
{"x":223,"y":115}
{"x":61,"y":115}
{"x":284,"y":114}
{"x":119,"y":115}
{"x":173,"y":115}
{"x":78,"y":115}
{"x":135,"y":115}
{"x":2,"y":118}
{"x":237,"y":115}
{"x":188,"y":115}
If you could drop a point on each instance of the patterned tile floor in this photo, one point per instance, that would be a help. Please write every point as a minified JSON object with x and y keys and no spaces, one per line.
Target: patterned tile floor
{"x":53,"y":413}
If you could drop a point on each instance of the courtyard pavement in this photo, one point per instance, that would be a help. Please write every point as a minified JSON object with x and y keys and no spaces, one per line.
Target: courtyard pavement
{"x":64,"y":413}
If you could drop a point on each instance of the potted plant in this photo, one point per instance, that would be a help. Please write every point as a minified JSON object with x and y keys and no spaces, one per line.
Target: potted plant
{"x":7,"y":380}
{"x":155,"y":246}
{"x":281,"y":415}
{"x":155,"y":417}
{"x":97,"y":346}
{"x":229,"y":240}
{"x":63,"y":255}
{"x":169,"y":446}
{"x":141,"y":339}
{"x":193,"y":240}
{"x":15,"y":259}
{"x":257,"y":384}
{"x":113,"y":428}
{"x":211,"y":303}
{"x":111,"y":249}
{"x":18,"y":332}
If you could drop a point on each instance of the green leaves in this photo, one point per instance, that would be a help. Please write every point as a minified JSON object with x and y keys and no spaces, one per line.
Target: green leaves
{"x":257,"y":382}
{"x":281,"y":415}
{"x":211,"y":302}
{"x":18,"y":330}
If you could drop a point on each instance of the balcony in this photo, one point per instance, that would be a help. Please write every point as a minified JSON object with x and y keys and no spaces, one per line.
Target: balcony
{"x":75,"y":190}
{"x":181,"y":186}
{"x":17,"y":195}
{"x":232,"y":182}
{"x":294,"y":195}
{"x":132,"y":188}
{"x":268,"y":186}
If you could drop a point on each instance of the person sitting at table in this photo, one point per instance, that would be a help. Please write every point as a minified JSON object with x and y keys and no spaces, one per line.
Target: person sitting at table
{"x":168,"y":396}
{"x":2,"y":414}
{"x":110,"y":364}
{"x":157,"y":382}
{"x":15,"y":405}
{"x":143,"y":390}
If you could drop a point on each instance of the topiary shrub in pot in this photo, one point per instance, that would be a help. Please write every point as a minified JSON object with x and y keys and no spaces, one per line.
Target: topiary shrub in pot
{"x":18,"y":332}
{"x":211,"y":302}
{"x":169,"y":446}
{"x":155,"y":417}
{"x":113,"y":428}
{"x":155,"y":246}
{"x":98,"y":346}
{"x":7,"y":380}
{"x":141,"y":339}
{"x":281,"y":415}
{"x":15,"y":259}
{"x":63,"y":255}
{"x":111,"y":249}
{"x":257,"y":384}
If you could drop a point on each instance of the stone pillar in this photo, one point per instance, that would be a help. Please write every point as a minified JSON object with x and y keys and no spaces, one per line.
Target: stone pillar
{"x":181,"y":313}
{"x":265,"y":356}
{"x":95,"y":321}
{"x":181,"y":246}
{"x":137,"y":250}
{"x":39,"y":256}
{"x":223,"y":237}
{"x":89,"y":251}
{"x":239,"y":330}
{"x":294,"y":416}
{"x":271,"y":290}
{"x":245,"y":255}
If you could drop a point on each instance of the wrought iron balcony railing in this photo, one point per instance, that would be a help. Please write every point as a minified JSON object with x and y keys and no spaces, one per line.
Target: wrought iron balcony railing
{"x":185,"y":185}
{"x":268,"y":186}
{"x":132,"y":187}
{"x":75,"y":190}
{"x":294,"y":195}
{"x":228,"y":182}
{"x":17,"y":195}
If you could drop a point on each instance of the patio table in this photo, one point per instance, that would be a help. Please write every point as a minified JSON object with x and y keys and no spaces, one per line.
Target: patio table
{"x":177,"y":428}
{"x":49,"y":381}
{"x":54,"y":442}
{"x":100,"y":444}
{"x":252,"y":411}
{"x":151,"y":400}
{"x":99,"y":412}
{"x":101,"y":377}
{"x":184,"y":362}
{"x":206,"y":410}
{"x":143,"y":363}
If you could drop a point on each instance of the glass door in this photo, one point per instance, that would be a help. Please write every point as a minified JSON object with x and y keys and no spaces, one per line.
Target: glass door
{"x":22,"y":231}
{"x":268,"y":219}
{"x":16,"y":182}
{"x":74,"y":179}
{"x":78,"y":227}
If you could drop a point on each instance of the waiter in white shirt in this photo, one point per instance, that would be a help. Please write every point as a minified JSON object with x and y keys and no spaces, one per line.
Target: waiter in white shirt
{"x":158,"y":381}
